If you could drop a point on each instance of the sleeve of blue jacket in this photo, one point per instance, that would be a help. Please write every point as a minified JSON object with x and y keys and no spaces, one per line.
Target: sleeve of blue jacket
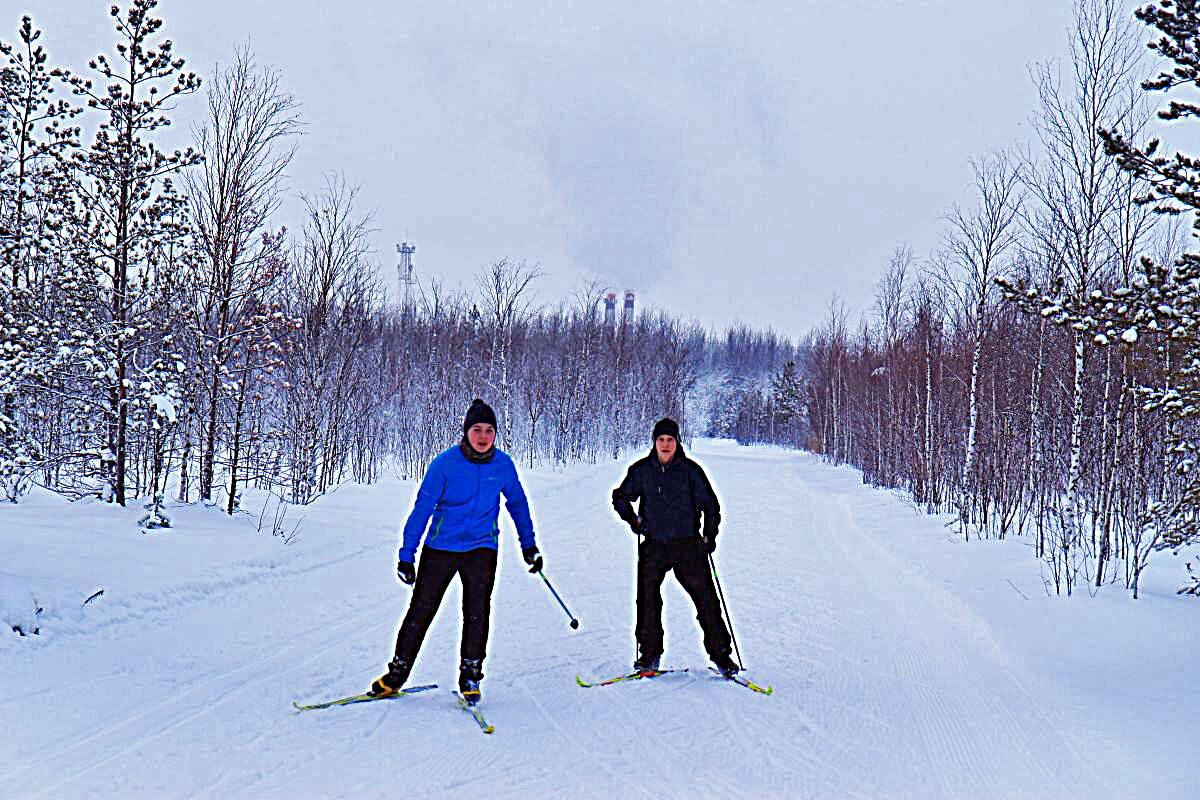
{"x":430,"y":490}
{"x":518,"y":508}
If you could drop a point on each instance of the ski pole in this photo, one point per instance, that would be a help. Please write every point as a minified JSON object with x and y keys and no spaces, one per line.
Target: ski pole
{"x":574,"y":622}
{"x":636,"y":646}
{"x":728,"y":618}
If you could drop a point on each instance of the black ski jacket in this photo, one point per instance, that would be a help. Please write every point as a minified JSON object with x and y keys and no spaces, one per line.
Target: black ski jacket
{"x":673,"y":497}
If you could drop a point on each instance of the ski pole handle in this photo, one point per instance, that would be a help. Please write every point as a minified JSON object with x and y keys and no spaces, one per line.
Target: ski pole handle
{"x":574,"y":622}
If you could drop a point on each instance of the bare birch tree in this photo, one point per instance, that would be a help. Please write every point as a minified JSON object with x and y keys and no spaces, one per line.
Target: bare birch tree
{"x":233,"y":195}
{"x":504,"y":289}
{"x":1077,"y":186}
{"x":975,"y":249}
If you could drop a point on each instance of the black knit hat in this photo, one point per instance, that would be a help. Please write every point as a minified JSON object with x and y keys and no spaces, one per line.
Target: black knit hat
{"x":666,"y":427}
{"x":479,"y":412}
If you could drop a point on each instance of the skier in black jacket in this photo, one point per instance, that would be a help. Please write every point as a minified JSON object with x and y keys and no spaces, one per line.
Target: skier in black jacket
{"x":675,"y":494}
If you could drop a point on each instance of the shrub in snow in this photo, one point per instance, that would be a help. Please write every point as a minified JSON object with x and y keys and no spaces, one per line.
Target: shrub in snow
{"x":15,"y":477}
{"x":1194,"y":588}
{"x":155,"y":518}
{"x":32,"y":628}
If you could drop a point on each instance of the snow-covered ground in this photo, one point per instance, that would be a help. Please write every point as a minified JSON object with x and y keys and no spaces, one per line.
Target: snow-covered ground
{"x":905,"y":662}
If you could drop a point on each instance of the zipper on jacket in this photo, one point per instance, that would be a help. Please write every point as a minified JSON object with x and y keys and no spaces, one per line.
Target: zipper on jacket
{"x":475,"y":502}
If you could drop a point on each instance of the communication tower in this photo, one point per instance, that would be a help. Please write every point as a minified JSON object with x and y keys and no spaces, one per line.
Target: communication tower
{"x":404,"y":269}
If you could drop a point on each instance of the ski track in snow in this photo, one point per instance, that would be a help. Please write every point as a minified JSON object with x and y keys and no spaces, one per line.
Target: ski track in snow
{"x":887,"y":683}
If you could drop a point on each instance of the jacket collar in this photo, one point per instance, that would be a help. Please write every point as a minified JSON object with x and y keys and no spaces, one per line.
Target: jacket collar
{"x":470,"y":454}
{"x":678,"y":458}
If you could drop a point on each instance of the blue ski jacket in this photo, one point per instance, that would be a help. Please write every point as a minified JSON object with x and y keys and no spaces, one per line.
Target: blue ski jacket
{"x":459,"y":502}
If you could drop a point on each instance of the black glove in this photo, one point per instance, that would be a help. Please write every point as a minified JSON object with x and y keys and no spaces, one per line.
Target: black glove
{"x":406,"y":572}
{"x":709,"y":543}
{"x":637,"y":526}
{"x":533,"y":558}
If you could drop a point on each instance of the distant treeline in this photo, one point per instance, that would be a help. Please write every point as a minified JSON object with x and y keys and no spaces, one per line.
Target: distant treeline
{"x":163,"y":335}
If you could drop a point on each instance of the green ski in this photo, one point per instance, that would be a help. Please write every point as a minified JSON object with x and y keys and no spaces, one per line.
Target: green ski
{"x":738,"y":679}
{"x":474,"y":711}
{"x":363,"y":698}
{"x":632,"y":676}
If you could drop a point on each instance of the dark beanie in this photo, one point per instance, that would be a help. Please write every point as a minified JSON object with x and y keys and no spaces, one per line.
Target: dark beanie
{"x":479,"y":412}
{"x":666,"y":427}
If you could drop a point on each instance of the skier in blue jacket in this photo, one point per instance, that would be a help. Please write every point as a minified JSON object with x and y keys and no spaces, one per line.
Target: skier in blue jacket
{"x":459,"y":502}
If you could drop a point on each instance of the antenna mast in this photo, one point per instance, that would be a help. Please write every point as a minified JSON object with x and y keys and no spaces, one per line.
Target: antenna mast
{"x":404,"y":269}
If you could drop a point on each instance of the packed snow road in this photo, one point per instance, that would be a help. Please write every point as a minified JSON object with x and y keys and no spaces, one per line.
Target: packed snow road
{"x":904,"y":662}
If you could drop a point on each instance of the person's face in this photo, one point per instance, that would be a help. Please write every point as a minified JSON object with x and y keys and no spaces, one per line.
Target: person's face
{"x":665,"y":445}
{"x":481,"y":436}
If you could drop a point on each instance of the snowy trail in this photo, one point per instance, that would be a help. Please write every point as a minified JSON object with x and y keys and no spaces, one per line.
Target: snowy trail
{"x":888,"y":679}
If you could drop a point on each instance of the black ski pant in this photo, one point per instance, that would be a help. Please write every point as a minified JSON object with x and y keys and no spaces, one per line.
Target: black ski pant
{"x":690,"y":564}
{"x":477,"y":571}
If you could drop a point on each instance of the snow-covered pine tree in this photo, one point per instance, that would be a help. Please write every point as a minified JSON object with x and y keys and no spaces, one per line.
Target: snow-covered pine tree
{"x":1167,"y":298}
{"x":787,"y":394}
{"x":161,"y":369}
{"x":724,"y":410}
{"x":36,"y":138}
{"x":130,"y":208}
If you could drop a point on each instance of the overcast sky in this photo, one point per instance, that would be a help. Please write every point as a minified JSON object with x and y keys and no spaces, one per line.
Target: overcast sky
{"x":726,"y":161}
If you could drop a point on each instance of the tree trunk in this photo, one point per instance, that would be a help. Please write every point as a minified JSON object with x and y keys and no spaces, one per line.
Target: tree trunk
{"x":967,"y":500}
{"x":1070,"y":511}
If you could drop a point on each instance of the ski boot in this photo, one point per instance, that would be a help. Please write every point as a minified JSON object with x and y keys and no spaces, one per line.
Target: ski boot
{"x":391,"y":682}
{"x":470,"y":673}
{"x":646,"y":664}
{"x":727,"y":666}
